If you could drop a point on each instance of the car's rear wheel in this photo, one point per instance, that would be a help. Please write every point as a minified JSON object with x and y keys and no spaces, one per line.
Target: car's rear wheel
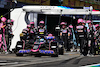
{"x":54,"y":55}
{"x":61,"y":52}
{"x":38,"y":55}
{"x":19,"y":54}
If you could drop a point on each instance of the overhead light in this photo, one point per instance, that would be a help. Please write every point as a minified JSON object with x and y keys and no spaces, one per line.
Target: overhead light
{"x":15,"y":1}
{"x":81,"y":0}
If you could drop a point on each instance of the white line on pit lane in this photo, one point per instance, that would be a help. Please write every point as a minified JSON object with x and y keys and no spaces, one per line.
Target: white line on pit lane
{"x":72,"y":53}
{"x":91,"y":65}
{"x":8,"y":63}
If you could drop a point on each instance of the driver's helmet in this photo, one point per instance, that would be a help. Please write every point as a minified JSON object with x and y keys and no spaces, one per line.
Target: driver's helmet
{"x":50,"y":36}
{"x":38,"y":37}
{"x":41,"y":40}
{"x":3,"y":19}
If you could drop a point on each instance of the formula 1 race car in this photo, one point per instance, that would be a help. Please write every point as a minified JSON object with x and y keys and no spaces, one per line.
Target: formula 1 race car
{"x":42,"y":46}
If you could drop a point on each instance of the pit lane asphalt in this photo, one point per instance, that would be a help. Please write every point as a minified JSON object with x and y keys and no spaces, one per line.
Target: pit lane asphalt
{"x":80,"y":61}
{"x":69,"y":59}
{"x":11,"y":60}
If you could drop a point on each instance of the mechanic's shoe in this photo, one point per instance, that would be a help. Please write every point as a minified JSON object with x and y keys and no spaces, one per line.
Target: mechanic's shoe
{"x":88,"y":55}
{"x":81,"y":55}
{"x":78,"y":50}
{"x":72,"y":50}
{"x":67,"y":50}
{"x":75,"y":50}
{"x":92,"y":55}
{"x":9,"y":52}
{"x":6,"y":52}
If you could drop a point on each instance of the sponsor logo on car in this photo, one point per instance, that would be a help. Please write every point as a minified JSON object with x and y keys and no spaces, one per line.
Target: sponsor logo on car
{"x":46,"y":51}
{"x":24,"y":51}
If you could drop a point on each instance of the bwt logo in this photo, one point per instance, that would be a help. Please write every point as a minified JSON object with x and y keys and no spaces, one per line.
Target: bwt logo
{"x":47,"y":51}
{"x":24,"y":51}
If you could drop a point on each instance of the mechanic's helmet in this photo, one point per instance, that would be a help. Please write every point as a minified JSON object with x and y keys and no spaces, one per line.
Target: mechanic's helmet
{"x":80,"y":21}
{"x":70,"y":26}
{"x":50,"y":35}
{"x":83,"y":23}
{"x":41,"y":23}
{"x":63,"y":24}
{"x":26,"y":29}
{"x":28,"y":26}
{"x":3,"y":19}
{"x":88,"y":21}
{"x":10,"y":21}
{"x":32,"y":23}
{"x":96,"y":25}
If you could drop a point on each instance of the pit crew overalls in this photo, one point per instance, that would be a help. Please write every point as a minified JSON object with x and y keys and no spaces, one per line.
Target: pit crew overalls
{"x":81,"y":36}
{"x":2,"y":38}
{"x":70,"y":37}
{"x":65,"y":38}
{"x":91,"y":41}
{"x":41,"y":32}
{"x":32,"y":35}
{"x":10,"y":35}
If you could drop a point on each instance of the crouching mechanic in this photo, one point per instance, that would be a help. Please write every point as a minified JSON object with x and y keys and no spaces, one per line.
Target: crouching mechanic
{"x":81,"y":36}
{"x":9,"y":33}
{"x":70,"y":36}
{"x":25,"y":34}
{"x":32,"y":32}
{"x":91,"y":45}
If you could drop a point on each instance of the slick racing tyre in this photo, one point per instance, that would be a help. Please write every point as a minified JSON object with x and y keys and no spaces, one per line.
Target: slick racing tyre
{"x":61,"y":51}
{"x":54,"y":55}
{"x":19,"y":54}
{"x":38,"y":55}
